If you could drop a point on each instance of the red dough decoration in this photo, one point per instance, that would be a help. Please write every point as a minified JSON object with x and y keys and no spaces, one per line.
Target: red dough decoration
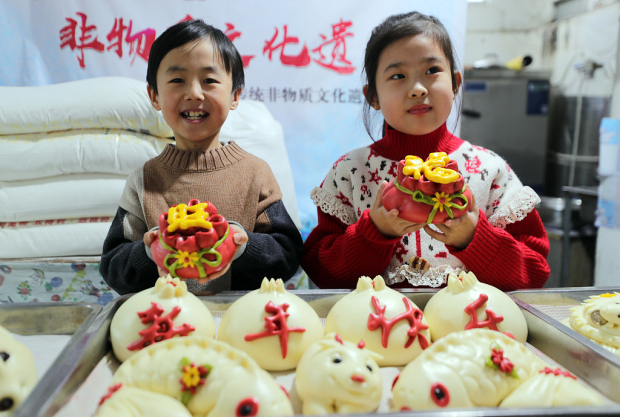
{"x":557,"y":372}
{"x":276,"y":325}
{"x":194,"y":241}
{"x":162,"y":327}
{"x":498,"y":361}
{"x":114,"y":388}
{"x":430,"y":191}
{"x":412,"y":315}
{"x":492,"y":318}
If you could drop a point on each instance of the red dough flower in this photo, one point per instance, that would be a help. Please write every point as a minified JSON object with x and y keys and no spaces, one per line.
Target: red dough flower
{"x":430,"y":191}
{"x":194,"y":241}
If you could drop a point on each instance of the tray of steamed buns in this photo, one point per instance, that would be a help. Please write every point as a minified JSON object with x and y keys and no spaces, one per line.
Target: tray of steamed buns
{"x":467,"y":348}
{"x":39,"y":343}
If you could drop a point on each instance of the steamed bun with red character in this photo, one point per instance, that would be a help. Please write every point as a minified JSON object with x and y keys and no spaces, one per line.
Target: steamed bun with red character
{"x":388,"y":322}
{"x":271,"y":325}
{"x":159,"y":313}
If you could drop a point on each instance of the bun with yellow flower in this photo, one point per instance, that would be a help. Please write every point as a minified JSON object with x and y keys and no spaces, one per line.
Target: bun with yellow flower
{"x":194,"y":241}
{"x":430,"y":191}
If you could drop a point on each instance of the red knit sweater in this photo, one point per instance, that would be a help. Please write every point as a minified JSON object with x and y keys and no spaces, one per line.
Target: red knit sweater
{"x":336,"y":255}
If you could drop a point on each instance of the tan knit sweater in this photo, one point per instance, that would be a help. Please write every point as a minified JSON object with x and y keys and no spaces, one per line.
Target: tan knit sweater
{"x":177,"y":176}
{"x":242,"y":188}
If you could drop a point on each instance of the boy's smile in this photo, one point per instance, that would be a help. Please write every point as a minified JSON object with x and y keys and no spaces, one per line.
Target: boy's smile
{"x":194,"y":95}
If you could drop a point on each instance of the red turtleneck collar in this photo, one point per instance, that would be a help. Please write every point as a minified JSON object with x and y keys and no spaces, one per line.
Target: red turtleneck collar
{"x":396,"y":145}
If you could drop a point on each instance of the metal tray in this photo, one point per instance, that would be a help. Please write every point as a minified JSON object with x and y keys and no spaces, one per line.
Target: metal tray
{"x":38,"y":319}
{"x":97,"y":346}
{"x":543,"y":310}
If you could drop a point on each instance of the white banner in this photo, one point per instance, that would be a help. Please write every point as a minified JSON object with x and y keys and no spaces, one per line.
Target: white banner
{"x":303,"y":59}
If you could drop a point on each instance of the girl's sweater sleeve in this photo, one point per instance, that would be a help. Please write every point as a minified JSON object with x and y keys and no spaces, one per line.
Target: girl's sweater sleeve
{"x":509,"y":259}
{"x":336,"y":255}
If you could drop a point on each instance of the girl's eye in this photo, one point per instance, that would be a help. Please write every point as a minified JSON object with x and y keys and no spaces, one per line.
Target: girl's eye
{"x":440,"y":394}
{"x":397,"y":77}
{"x":176,"y":80}
{"x":433,"y":70}
{"x":247,"y":407}
{"x":210,"y":81}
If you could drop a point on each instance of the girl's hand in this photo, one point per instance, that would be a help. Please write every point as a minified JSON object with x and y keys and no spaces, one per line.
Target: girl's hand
{"x":458,"y":232}
{"x":240,"y":238}
{"x":388,"y":222}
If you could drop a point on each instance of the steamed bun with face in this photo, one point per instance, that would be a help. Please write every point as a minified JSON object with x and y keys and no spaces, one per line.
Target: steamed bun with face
{"x":18,"y":373}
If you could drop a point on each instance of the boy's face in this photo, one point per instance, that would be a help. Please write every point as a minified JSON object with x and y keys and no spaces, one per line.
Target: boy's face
{"x":194,"y":95}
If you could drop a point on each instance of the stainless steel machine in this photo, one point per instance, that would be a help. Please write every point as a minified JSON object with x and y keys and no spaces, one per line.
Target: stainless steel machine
{"x":508,"y":112}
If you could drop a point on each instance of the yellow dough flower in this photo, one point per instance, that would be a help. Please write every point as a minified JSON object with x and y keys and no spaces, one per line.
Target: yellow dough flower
{"x":191,"y":376}
{"x":442,"y":200}
{"x":187,"y":259}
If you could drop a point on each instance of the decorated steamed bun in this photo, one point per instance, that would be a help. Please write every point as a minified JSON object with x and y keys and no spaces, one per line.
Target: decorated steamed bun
{"x":194,"y":241}
{"x":467,"y":304}
{"x":388,"y":322}
{"x":473,"y":368}
{"x":336,"y":376}
{"x":271,"y":325}
{"x":599,"y":319}
{"x":157,"y":314}
{"x":125,"y":401}
{"x":18,"y":373}
{"x":209,"y":377}
{"x":430,"y":191}
{"x":552,"y":388}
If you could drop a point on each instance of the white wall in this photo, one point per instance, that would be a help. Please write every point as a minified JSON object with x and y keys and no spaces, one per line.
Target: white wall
{"x":507,"y":28}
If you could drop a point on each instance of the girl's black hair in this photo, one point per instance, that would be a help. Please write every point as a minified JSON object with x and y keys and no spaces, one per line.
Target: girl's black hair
{"x":189,"y":31}
{"x":394,"y":28}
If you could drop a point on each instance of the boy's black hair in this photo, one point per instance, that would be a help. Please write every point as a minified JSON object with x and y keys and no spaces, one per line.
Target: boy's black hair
{"x":394,"y":28}
{"x":189,"y":31}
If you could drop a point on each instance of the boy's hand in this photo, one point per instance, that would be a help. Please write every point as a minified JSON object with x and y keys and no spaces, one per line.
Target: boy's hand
{"x":458,"y":232}
{"x":240,"y":238}
{"x":149,"y":237}
{"x":388,"y":222}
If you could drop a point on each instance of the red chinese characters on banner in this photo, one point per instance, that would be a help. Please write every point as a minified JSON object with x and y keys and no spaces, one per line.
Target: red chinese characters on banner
{"x":338,"y":61}
{"x":233,"y":34}
{"x":335,"y":60}
{"x":300,"y":60}
{"x":68,"y":37}
{"x":139,"y":43}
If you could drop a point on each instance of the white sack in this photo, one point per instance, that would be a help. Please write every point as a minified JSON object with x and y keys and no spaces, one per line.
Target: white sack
{"x":40,"y":155}
{"x":68,"y":239}
{"x":102,"y":102}
{"x":62,"y":197}
{"x":253,"y":128}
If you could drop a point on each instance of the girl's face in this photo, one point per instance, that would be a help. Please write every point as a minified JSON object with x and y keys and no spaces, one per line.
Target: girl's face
{"x":414,"y":85}
{"x":194,"y":95}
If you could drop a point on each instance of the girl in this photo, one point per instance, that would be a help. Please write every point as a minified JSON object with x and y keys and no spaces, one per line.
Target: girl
{"x":412,"y":80}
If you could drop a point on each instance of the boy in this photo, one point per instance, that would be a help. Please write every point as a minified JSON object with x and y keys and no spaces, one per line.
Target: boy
{"x":195,"y":76}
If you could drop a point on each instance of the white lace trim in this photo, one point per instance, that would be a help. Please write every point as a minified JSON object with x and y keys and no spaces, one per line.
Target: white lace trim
{"x":329,"y":204}
{"x":433,"y":277}
{"x":516,"y":209}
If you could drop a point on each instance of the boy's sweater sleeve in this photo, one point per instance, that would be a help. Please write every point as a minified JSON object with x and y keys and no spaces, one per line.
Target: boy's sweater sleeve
{"x":273,"y":250}
{"x":509,"y":259}
{"x":335,"y":255}
{"x":125,"y":265}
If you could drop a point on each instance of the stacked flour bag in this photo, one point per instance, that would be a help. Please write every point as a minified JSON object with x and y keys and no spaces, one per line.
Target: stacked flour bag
{"x":65,"y":153}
